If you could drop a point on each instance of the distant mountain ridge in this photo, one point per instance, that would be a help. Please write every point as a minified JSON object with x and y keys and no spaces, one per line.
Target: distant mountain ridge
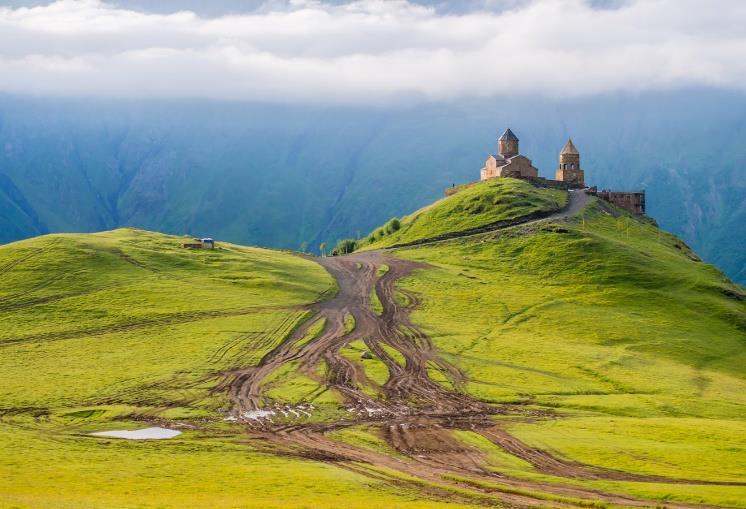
{"x":279,"y":176}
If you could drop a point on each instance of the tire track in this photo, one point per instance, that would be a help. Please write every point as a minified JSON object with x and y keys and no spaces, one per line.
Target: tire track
{"x":414,"y":414}
{"x":171,"y":319}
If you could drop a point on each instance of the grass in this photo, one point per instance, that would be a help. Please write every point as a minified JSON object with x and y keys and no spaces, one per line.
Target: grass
{"x":615,"y":326}
{"x":349,"y":323}
{"x":538,"y":495}
{"x":194,"y":470}
{"x":287,"y":386}
{"x":375,"y":369}
{"x":479,"y":205}
{"x":130,"y":317}
{"x":365,"y":437}
{"x":676,"y":447}
{"x":375,"y":302}
{"x":314,"y":331}
{"x":498,"y":459}
{"x":121,"y":329}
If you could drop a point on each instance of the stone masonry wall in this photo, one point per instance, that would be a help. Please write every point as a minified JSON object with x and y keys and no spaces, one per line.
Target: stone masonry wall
{"x":633,"y":202}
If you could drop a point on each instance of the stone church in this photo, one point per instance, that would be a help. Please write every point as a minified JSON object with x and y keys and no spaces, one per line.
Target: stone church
{"x":508,"y":162}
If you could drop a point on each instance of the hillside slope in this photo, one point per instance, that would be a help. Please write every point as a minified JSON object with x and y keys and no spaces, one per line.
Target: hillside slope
{"x":634,"y":344}
{"x":124,"y":329}
{"x":469,"y":208}
{"x":277,"y":176}
{"x":582,"y":361}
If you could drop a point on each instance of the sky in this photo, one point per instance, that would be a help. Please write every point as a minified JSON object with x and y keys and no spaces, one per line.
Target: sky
{"x":368,"y":50}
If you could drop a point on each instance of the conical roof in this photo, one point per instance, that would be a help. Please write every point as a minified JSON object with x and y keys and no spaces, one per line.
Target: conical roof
{"x":508,"y":136}
{"x":569,"y":148}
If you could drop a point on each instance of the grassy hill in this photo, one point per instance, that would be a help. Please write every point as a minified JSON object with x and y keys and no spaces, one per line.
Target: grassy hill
{"x":616,"y":326}
{"x":600,"y":339}
{"x":474,"y":206}
{"x":105,"y":331}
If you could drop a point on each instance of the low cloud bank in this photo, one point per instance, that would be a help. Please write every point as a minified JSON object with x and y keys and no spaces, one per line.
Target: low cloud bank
{"x":373,"y":50}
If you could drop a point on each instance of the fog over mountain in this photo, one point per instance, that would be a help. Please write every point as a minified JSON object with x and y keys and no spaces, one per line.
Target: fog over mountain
{"x":279,"y":175}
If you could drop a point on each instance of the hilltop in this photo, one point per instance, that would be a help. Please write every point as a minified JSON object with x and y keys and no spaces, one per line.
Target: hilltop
{"x":491,"y":203}
{"x":523,"y":347}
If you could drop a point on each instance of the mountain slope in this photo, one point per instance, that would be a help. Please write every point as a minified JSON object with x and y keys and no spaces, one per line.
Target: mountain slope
{"x":590,"y":360}
{"x":615,"y":325}
{"x":277,"y":175}
{"x":111,"y":330}
{"x":469,"y":208}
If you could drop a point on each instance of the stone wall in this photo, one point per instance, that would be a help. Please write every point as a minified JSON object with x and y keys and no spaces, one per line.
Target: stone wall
{"x":517,"y":167}
{"x":632,"y":202}
{"x":544,"y":182}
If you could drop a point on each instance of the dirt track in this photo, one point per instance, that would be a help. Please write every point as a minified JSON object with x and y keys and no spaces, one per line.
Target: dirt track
{"x":356,"y":276}
{"x":413,"y":413}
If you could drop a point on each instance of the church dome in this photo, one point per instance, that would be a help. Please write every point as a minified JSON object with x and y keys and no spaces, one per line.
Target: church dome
{"x":508,"y":136}
{"x":569,"y":149}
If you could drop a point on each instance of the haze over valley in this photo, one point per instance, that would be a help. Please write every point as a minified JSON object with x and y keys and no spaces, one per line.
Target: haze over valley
{"x":278,"y":176}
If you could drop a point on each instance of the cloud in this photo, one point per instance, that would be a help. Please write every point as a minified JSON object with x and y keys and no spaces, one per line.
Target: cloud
{"x":373,"y":50}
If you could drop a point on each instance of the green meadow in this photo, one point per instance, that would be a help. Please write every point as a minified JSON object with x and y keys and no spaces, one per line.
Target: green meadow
{"x":128,"y":317}
{"x":637,"y":346}
{"x":104,"y":331}
{"x":628,"y":347}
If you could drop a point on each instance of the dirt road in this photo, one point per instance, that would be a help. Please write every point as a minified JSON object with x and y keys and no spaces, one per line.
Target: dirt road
{"x":357,"y":275}
{"x":413,"y":413}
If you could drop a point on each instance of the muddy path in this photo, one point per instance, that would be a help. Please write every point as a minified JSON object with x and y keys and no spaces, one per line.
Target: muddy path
{"x":406,"y":351}
{"x":416,"y":416}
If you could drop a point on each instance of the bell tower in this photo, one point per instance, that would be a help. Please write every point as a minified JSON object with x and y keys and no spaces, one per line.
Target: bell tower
{"x":507,"y":144}
{"x":569,"y":166}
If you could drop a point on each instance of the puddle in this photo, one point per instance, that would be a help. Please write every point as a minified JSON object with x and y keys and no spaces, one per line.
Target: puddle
{"x":140,"y":434}
{"x":257,"y":415}
{"x":263,"y":414}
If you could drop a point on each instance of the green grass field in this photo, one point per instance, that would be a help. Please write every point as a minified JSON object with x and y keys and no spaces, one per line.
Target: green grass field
{"x":635,"y":346}
{"x":614,"y":325}
{"x":103,"y":331}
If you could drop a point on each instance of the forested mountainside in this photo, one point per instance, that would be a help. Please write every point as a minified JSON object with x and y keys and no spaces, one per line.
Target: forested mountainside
{"x":280,"y":176}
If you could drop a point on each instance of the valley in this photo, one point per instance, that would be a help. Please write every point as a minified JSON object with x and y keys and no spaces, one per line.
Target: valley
{"x":229,"y":169}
